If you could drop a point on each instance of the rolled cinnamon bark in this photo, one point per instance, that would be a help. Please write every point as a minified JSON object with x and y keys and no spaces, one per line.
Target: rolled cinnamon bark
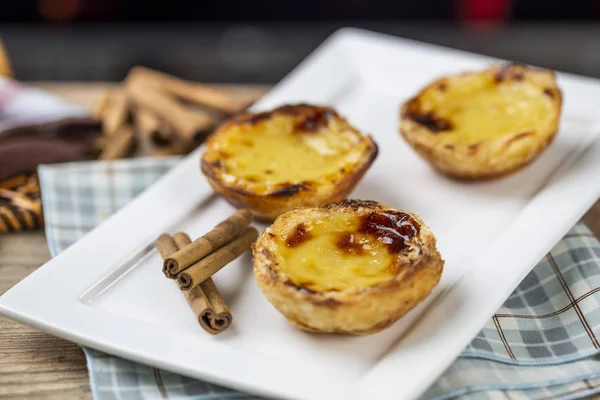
{"x":150,"y":127}
{"x":224,"y":232}
{"x":170,"y":149}
{"x":115,"y":115}
{"x":190,"y":91}
{"x":217,"y":317}
{"x":100,"y":144}
{"x":205,"y":301}
{"x":101,"y":105}
{"x":118,"y":145}
{"x":165,"y":245}
{"x":209,"y":265}
{"x":190,"y":126}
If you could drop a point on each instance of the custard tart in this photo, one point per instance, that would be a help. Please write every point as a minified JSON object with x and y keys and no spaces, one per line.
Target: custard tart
{"x":484,"y":124}
{"x":292,"y":156}
{"x":352,"y":267}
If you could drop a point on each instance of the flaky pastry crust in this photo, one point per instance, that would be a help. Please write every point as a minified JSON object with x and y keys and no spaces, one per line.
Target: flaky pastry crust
{"x":267,"y":198}
{"x":354,"y":310}
{"x":433,"y":136}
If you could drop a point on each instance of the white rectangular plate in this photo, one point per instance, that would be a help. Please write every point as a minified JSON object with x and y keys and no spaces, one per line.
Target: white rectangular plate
{"x":490,"y":234}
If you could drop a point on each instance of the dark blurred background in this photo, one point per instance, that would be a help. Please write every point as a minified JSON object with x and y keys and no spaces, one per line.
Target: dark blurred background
{"x":260,"y":41}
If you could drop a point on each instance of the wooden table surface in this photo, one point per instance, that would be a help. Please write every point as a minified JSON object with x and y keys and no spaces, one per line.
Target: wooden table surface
{"x":34,"y":364}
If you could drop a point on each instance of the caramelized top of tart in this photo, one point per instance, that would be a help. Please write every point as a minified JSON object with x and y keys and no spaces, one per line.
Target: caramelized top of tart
{"x":346,"y":249}
{"x":296,"y":145}
{"x":473,"y":107}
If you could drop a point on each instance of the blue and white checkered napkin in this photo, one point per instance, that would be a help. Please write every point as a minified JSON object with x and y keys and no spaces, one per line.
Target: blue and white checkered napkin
{"x":542,"y":344}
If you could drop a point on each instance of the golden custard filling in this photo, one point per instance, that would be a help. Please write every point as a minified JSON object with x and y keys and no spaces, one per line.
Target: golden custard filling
{"x":476,"y":108}
{"x":343,"y":251}
{"x":287,"y":148}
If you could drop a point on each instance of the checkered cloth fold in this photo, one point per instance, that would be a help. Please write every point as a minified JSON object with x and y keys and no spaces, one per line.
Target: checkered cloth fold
{"x":542,"y":344}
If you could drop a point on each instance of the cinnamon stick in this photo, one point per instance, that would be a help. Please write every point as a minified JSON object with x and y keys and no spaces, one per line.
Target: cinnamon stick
{"x":150,"y":127}
{"x":170,"y":149}
{"x":224,"y":232}
{"x":115,"y":115}
{"x":99,"y":144}
{"x":210,"y":310}
{"x":165,"y":245}
{"x":190,"y":126}
{"x":101,"y":105}
{"x":215,"y":319}
{"x":193,"y":92}
{"x":209,"y":265}
{"x":118,"y":145}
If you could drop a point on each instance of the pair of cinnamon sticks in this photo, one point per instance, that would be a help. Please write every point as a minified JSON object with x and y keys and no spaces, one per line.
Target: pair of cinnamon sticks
{"x":192,"y":264}
{"x":168,"y":115}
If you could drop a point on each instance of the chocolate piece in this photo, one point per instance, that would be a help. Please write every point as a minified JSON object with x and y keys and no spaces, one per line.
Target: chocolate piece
{"x":24,"y":147}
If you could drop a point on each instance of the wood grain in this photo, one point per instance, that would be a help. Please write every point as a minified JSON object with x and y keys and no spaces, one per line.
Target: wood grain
{"x":33,"y":364}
